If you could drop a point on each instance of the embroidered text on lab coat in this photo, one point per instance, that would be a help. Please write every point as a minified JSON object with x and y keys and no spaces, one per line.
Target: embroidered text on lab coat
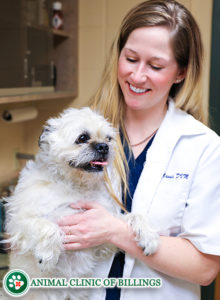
{"x":176,"y":176}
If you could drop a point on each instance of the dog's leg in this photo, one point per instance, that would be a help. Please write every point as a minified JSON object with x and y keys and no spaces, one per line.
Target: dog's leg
{"x":146,"y":237}
{"x":49,"y":245}
{"x":41,"y":237}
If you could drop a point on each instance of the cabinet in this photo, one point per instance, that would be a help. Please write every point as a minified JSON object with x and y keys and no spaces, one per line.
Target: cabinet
{"x":217,"y":287}
{"x":36,"y":61}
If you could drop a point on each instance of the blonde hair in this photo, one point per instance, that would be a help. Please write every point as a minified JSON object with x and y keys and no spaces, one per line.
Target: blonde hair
{"x":188,"y":52}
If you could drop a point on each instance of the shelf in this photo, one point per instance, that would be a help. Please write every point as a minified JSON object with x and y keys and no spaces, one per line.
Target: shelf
{"x":56,"y":32}
{"x":38,"y":97}
{"x":61,"y":33}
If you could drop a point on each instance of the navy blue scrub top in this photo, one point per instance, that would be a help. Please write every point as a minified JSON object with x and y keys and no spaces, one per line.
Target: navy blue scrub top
{"x":135,"y":167}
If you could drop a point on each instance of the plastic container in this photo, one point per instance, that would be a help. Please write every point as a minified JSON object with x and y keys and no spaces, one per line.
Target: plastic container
{"x":57,"y":20}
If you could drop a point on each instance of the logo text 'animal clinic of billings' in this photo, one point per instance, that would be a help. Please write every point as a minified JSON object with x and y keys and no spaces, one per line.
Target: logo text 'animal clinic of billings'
{"x":16,"y":283}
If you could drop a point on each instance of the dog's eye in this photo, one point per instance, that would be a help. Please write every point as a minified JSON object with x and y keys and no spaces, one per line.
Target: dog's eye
{"x":83,"y":138}
{"x":108,"y":138}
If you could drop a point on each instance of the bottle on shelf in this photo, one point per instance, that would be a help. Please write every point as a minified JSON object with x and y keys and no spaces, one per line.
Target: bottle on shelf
{"x":57,"y":19}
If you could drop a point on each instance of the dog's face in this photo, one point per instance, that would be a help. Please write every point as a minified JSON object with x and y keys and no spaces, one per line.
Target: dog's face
{"x":79,"y":139}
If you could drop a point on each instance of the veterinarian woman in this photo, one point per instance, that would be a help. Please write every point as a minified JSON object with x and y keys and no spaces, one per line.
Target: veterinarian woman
{"x":151,"y":90}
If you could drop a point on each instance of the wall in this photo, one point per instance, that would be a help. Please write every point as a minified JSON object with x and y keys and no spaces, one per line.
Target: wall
{"x":98,"y":23}
{"x":11,"y":139}
{"x":215,"y":67}
{"x":22,"y":137}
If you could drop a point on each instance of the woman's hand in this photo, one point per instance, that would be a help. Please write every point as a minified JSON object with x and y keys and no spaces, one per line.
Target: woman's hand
{"x":91,"y":227}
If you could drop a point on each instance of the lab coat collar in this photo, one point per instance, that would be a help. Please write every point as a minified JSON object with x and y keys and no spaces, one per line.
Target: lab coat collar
{"x":179,"y":123}
{"x":176,"y":124}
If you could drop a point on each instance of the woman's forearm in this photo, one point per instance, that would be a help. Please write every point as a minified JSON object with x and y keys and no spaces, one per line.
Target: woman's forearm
{"x":175,"y":256}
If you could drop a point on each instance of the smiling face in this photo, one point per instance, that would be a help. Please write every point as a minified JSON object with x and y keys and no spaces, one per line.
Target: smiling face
{"x":147,"y":68}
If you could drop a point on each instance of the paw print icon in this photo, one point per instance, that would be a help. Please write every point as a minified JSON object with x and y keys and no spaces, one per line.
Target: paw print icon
{"x":16,"y":283}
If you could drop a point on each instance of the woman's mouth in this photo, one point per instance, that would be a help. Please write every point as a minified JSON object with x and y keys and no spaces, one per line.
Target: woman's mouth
{"x":137,"y":90}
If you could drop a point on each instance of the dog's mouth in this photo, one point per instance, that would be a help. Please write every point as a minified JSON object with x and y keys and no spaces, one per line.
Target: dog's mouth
{"x":97,"y":166}
{"x":92,"y":166}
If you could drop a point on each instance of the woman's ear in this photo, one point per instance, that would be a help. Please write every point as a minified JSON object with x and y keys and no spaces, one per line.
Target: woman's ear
{"x":181,"y":75}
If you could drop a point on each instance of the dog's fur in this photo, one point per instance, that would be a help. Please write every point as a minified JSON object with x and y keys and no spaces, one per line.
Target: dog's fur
{"x":74,"y":149}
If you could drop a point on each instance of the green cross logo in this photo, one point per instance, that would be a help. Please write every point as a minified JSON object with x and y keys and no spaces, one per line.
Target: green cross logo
{"x":16,"y":283}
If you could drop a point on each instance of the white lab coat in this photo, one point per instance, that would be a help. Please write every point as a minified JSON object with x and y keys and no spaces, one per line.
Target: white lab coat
{"x":179,"y":192}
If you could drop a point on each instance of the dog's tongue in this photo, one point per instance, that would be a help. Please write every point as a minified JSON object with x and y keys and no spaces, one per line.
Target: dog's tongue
{"x":101,"y":163}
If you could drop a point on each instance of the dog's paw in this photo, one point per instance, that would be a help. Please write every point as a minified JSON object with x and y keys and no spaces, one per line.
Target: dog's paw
{"x":146,"y":237}
{"x":47,"y":263}
{"x":48,"y":248}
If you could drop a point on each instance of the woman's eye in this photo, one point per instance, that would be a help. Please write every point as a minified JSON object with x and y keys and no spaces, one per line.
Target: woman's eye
{"x":156,"y":68}
{"x":132,"y":60}
{"x":83,"y":138}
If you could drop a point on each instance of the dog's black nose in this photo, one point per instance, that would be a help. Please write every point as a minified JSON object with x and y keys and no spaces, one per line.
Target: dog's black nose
{"x":101,"y":148}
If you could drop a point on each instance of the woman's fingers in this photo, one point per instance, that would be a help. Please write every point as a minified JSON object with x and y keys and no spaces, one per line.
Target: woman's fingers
{"x":68,"y":230}
{"x":89,"y":227}
{"x":70,"y":220}
{"x":77,"y":217}
{"x":73,"y":246}
{"x":70,"y":239}
{"x":85,"y":205}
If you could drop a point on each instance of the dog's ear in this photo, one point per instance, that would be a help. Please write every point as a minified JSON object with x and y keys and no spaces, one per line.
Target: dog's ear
{"x":43,"y":137}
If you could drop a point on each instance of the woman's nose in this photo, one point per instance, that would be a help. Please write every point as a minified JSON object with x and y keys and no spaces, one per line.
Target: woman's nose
{"x":139,"y":75}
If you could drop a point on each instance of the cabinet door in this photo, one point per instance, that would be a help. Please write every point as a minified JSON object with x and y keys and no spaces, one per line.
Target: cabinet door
{"x":39,"y":58}
{"x":26,"y":62}
{"x":12,"y":33}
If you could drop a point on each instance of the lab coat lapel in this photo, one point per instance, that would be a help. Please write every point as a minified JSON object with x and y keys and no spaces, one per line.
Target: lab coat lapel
{"x":155,"y":166}
{"x":175,"y":124}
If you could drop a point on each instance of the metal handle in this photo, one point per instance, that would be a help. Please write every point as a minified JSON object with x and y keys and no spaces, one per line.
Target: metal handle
{"x":52,"y":70}
{"x":25,"y":68}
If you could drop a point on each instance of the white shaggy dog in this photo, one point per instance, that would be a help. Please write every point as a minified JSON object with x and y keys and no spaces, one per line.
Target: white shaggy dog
{"x":75,"y":148}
